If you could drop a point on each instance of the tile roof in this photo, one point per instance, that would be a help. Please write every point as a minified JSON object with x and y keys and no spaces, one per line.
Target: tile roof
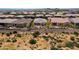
{"x":40,"y":20}
{"x":59,"y":20}
{"x":21,"y":21}
{"x":74,"y":20}
{"x":15,"y":21}
{"x":72,"y":14}
{"x":7,"y":20}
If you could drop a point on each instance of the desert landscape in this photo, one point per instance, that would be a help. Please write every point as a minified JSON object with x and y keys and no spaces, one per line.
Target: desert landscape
{"x":39,"y":41}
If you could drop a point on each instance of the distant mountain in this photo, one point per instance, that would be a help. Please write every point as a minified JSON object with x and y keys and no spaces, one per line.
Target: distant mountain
{"x":39,"y":9}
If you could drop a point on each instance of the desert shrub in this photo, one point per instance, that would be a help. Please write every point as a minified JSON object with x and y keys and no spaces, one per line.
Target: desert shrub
{"x":72,"y":38}
{"x":46,"y":38}
{"x":8,"y":34}
{"x":64,"y":32}
{"x":0,"y":43}
{"x":54,"y":48}
{"x":2,"y":33}
{"x":76,"y":33}
{"x":59,"y":41}
{"x":1,"y":40}
{"x":70,"y":44}
{"x":18,"y":45}
{"x":0,"y":46}
{"x":77,"y":44}
{"x":51,"y":38}
{"x":59,"y":46}
{"x":35,"y":34}
{"x":18,"y":35}
{"x":46,"y":33}
{"x":14,"y":40}
{"x":14,"y":32}
{"x":8,"y":40}
{"x":77,"y":39}
{"x":32,"y":41}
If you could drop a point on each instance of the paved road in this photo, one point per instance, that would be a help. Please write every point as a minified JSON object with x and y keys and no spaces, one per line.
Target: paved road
{"x":40,"y":30}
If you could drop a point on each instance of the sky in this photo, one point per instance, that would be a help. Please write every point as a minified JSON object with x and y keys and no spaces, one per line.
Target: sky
{"x":39,"y":3}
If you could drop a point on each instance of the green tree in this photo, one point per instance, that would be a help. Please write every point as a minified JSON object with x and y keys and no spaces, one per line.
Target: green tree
{"x":70,"y":44}
{"x":48,"y":24}
{"x":8,"y":34}
{"x":76,"y":33}
{"x":37,"y":33}
{"x":32,"y":41}
{"x":14,"y":40}
{"x":8,"y":40}
{"x":46,"y":38}
{"x":31,"y":24}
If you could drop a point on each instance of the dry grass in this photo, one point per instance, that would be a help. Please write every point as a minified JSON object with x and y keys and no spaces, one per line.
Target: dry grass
{"x":48,"y":41}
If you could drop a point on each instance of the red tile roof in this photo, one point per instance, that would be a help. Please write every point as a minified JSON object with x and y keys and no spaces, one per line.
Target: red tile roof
{"x":59,"y":20}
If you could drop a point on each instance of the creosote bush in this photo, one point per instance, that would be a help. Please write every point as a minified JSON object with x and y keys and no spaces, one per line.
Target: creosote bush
{"x":2,"y":33}
{"x":46,"y":38}
{"x":14,"y":32}
{"x":35,"y":34}
{"x":2,"y":40}
{"x":32,"y":41}
{"x":14,"y":40}
{"x":76,"y":33}
{"x":8,"y":34}
{"x":72,"y":38}
{"x":70,"y":44}
{"x":8,"y":40}
{"x":18,"y":35}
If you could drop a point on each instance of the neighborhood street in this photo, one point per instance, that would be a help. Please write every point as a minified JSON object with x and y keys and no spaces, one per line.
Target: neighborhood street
{"x":41,"y":30}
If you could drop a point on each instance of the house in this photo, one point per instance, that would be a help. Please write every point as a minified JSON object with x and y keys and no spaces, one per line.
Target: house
{"x":74,"y":20}
{"x":22,"y":22}
{"x":6,"y":22}
{"x":59,"y":21}
{"x":6,"y":15}
{"x":18,"y":23}
{"x":75,"y":15}
{"x":13,"y":12}
{"x":29,"y":16}
{"x":59,"y":15}
{"x":25,"y":12}
{"x":30,"y":12}
{"x":39,"y":15}
{"x":48,"y":15}
{"x":52,"y":13}
{"x":40,"y":22}
{"x":19,"y":16}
